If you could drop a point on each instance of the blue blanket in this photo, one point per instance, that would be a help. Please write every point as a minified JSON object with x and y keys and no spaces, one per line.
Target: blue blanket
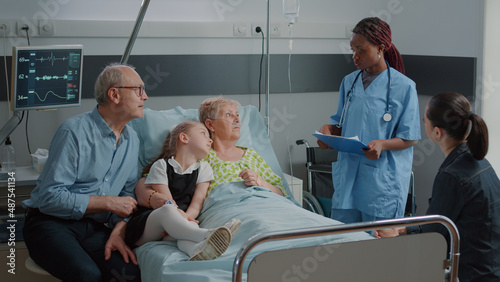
{"x":259,"y":210}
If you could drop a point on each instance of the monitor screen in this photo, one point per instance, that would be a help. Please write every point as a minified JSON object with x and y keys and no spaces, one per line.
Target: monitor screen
{"x":46,"y":77}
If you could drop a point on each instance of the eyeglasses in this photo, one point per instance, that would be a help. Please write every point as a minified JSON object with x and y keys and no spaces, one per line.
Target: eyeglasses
{"x":142,"y":89}
{"x":230,"y":117}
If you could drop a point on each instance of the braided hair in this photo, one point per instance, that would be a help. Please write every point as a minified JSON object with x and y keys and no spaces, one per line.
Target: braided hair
{"x":378,"y":32}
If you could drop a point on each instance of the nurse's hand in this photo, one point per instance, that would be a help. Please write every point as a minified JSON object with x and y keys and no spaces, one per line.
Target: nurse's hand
{"x":328,"y":129}
{"x":376,"y":147}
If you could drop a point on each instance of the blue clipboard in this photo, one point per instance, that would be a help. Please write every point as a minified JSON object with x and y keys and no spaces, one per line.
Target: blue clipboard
{"x":342,"y":144}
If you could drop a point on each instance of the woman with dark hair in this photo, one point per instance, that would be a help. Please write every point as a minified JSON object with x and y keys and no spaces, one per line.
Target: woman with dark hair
{"x":466,"y":188}
{"x":378,"y":104}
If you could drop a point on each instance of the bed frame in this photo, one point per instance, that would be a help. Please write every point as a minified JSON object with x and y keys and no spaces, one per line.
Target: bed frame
{"x":420,"y":257}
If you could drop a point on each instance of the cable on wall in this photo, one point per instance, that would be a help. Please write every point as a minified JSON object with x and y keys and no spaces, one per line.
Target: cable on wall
{"x":259,"y":30}
{"x":290,"y":47}
{"x":6,"y":75}
{"x":26,"y":28}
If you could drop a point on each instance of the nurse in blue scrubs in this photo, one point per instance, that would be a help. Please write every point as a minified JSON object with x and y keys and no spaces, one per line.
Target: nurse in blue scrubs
{"x":379,"y":104}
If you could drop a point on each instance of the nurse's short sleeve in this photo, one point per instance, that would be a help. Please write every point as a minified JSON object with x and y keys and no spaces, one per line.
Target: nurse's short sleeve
{"x":335,"y":118}
{"x":409,"y":125}
{"x":158,"y":173}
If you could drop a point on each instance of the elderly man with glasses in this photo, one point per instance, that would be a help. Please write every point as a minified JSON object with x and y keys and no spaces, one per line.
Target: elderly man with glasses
{"x":80,"y":206}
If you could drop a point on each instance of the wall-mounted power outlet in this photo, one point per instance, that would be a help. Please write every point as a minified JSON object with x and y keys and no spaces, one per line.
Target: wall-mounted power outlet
{"x":20,"y":24}
{"x":46,"y":28}
{"x":240,"y":30}
{"x":4,"y":28}
{"x":254,"y":29}
{"x":275,"y":30}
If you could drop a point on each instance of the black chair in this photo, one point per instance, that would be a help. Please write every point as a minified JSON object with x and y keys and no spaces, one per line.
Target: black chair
{"x":411,"y":205}
{"x":318,"y":196}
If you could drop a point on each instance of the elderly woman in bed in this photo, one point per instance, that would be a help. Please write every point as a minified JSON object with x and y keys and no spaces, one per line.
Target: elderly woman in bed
{"x":231,"y":163}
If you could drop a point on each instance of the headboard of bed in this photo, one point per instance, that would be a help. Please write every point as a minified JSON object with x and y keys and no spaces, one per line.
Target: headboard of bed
{"x":153,"y":128}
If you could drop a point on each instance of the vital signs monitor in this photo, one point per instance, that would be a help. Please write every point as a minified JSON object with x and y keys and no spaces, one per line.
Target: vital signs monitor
{"x":46,"y":77}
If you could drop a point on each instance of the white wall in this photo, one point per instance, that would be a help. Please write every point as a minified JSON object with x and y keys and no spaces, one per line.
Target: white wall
{"x":424,"y":27}
{"x":490,"y":81}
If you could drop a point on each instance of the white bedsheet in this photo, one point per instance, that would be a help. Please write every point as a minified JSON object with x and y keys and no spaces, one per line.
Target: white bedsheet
{"x":259,"y":210}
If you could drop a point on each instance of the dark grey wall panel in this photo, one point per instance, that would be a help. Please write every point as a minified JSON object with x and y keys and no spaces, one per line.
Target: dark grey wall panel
{"x":177,"y":75}
{"x":434,"y":74}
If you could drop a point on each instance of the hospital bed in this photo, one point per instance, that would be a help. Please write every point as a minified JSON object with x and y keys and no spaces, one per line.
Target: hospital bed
{"x":261,"y":212}
{"x":419,"y":257}
{"x":267,"y":216}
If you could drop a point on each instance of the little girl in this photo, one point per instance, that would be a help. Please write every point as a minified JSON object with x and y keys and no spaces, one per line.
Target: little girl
{"x":173,"y":197}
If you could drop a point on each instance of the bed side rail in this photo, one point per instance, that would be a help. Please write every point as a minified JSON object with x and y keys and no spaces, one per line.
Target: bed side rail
{"x":452,"y":262}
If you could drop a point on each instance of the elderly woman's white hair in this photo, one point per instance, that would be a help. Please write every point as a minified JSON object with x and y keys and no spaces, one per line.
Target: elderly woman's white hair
{"x":209,"y":109}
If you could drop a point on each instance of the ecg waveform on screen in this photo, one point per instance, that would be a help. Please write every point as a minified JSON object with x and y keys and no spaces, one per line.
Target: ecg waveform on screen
{"x":51,"y":77}
{"x":50,"y":59}
{"x":66,"y":97}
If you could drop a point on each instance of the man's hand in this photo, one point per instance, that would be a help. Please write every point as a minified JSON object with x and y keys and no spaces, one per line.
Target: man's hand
{"x":116,"y":243}
{"x":121,"y":206}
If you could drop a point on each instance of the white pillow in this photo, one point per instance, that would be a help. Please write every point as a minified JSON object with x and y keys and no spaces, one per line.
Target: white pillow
{"x":154,"y":127}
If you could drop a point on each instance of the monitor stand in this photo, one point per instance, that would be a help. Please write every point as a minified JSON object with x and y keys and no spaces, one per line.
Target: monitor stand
{"x":10,"y":125}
